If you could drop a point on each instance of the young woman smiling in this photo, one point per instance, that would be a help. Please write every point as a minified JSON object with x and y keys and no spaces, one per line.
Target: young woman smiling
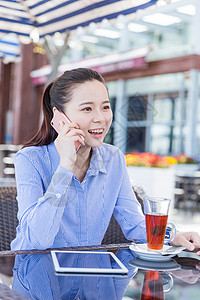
{"x":65,"y":197}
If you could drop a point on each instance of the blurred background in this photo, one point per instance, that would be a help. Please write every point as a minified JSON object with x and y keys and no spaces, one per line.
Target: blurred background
{"x":149,"y":58}
{"x":147,"y":51}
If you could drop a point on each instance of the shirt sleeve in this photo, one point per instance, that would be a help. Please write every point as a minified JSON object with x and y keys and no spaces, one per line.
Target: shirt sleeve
{"x":128,"y":211}
{"x":34,"y":277}
{"x":40,"y":212}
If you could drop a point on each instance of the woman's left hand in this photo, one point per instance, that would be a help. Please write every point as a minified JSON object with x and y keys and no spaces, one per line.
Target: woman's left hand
{"x":190,"y":240}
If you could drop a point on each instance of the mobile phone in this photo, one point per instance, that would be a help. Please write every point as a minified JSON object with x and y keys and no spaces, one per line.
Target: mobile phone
{"x":59,"y":116}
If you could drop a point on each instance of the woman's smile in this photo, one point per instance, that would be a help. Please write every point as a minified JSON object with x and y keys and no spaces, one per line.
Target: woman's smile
{"x":96,"y":133}
{"x":90,"y":109}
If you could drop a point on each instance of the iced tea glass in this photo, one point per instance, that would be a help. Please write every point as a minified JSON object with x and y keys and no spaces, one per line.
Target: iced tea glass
{"x":156,"y":214}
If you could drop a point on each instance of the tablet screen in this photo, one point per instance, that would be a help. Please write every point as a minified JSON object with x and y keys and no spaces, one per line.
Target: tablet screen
{"x":87,"y":262}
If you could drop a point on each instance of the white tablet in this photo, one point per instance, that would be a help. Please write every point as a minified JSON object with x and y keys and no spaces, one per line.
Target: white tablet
{"x":87,"y":263}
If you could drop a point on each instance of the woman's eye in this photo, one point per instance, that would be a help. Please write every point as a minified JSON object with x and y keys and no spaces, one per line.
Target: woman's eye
{"x":106,"y":107}
{"x":87,"y":108}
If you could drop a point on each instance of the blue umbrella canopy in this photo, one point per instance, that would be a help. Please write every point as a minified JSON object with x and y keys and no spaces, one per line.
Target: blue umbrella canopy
{"x":21,"y":17}
{"x":9,"y":48}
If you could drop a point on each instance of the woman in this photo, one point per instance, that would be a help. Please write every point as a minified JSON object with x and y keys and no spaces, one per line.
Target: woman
{"x":66,"y":198}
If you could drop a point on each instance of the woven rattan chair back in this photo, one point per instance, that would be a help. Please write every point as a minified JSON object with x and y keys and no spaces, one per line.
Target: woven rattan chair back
{"x":9,"y":222}
{"x":114,"y":234}
{"x":8,"y":216}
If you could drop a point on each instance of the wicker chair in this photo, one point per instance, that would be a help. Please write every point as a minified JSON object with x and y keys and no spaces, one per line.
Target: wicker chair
{"x":7,"y":153}
{"x":114,"y":234}
{"x":8,"y":216}
{"x":187,"y":192}
{"x":9,"y":222}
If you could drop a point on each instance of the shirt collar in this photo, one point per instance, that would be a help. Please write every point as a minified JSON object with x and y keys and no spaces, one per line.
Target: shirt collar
{"x":97,"y":162}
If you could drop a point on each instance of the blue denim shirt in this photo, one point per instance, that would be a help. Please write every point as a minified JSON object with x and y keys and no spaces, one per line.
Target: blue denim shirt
{"x":57,"y":210}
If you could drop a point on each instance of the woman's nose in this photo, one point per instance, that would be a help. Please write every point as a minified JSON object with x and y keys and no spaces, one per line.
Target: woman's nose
{"x":98,"y":117}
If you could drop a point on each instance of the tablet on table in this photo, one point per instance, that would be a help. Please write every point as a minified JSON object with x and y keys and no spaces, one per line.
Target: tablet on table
{"x":87,"y":263}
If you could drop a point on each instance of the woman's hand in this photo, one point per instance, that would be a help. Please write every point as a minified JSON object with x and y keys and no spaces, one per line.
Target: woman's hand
{"x":189,"y":271}
{"x":187,"y":275}
{"x":190,"y":240}
{"x":65,"y":143}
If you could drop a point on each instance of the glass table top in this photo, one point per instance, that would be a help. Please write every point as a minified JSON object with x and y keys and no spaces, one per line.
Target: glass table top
{"x":33,"y":276}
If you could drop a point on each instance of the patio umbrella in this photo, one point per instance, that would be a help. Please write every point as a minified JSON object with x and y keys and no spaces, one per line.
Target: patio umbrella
{"x":49,"y":16}
{"x":35,"y":20}
{"x":9,"y":48}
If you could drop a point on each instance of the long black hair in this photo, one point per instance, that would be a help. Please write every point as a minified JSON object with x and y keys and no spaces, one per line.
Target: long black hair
{"x":57,"y":94}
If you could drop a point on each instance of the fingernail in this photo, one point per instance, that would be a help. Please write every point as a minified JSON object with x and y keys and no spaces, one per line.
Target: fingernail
{"x":191,"y":247}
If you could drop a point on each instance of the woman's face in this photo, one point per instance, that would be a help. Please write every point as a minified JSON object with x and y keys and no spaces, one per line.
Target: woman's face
{"x":90,"y":109}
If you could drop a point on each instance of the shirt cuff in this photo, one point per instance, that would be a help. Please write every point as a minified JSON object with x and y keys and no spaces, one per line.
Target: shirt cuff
{"x":58,"y":186}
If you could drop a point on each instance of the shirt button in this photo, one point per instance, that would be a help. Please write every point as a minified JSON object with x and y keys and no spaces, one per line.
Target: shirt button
{"x":58,"y":195}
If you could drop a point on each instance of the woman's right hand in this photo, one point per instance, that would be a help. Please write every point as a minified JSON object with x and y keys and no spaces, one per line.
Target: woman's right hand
{"x":65,"y":143}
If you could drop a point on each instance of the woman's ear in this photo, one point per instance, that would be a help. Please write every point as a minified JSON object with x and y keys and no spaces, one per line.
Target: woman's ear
{"x":54,"y":109}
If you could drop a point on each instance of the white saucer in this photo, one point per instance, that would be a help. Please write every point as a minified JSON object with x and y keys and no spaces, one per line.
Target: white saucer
{"x":163,"y":255}
{"x":169,"y":265}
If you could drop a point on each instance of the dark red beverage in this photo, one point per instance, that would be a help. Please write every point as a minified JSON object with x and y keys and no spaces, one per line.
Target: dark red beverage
{"x":156,"y":228}
{"x":152,"y":286}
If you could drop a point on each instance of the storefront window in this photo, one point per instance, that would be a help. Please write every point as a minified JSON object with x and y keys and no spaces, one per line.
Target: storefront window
{"x":137,"y":108}
{"x":135,"y":139}
{"x":164,"y":108}
{"x":161,"y":136}
{"x":165,"y":139}
{"x":112,"y":97}
{"x":113,"y":104}
{"x":155,"y":121}
{"x":169,"y":107}
{"x":109,"y":139}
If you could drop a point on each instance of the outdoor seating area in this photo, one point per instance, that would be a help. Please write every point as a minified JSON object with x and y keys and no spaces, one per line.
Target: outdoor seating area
{"x":186,"y":203}
{"x":186,"y":200}
{"x":7,"y":172}
{"x":187,"y":192}
{"x":8,"y":216}
{"x":9,"y":222}
{"x":99,"y":150}
{"x":114,"y":241}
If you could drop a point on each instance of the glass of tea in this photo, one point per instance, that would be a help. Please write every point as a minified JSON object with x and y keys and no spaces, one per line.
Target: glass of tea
{"x":155,"y":284}
{"x":156,"y":214}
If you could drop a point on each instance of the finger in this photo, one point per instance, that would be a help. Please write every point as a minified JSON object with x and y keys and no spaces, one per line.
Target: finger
{"x":184,"y":239}
{"x":74,"y":125}
{"x":188,"y":245}
{"x":65,"y":128}
{"x":194,"y":238}
{"x":197,"y":266}
{"x":198,"y":253}
{"x":77,"y":138}
{"x":68,"y":125}
{"x":74,"y":131}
